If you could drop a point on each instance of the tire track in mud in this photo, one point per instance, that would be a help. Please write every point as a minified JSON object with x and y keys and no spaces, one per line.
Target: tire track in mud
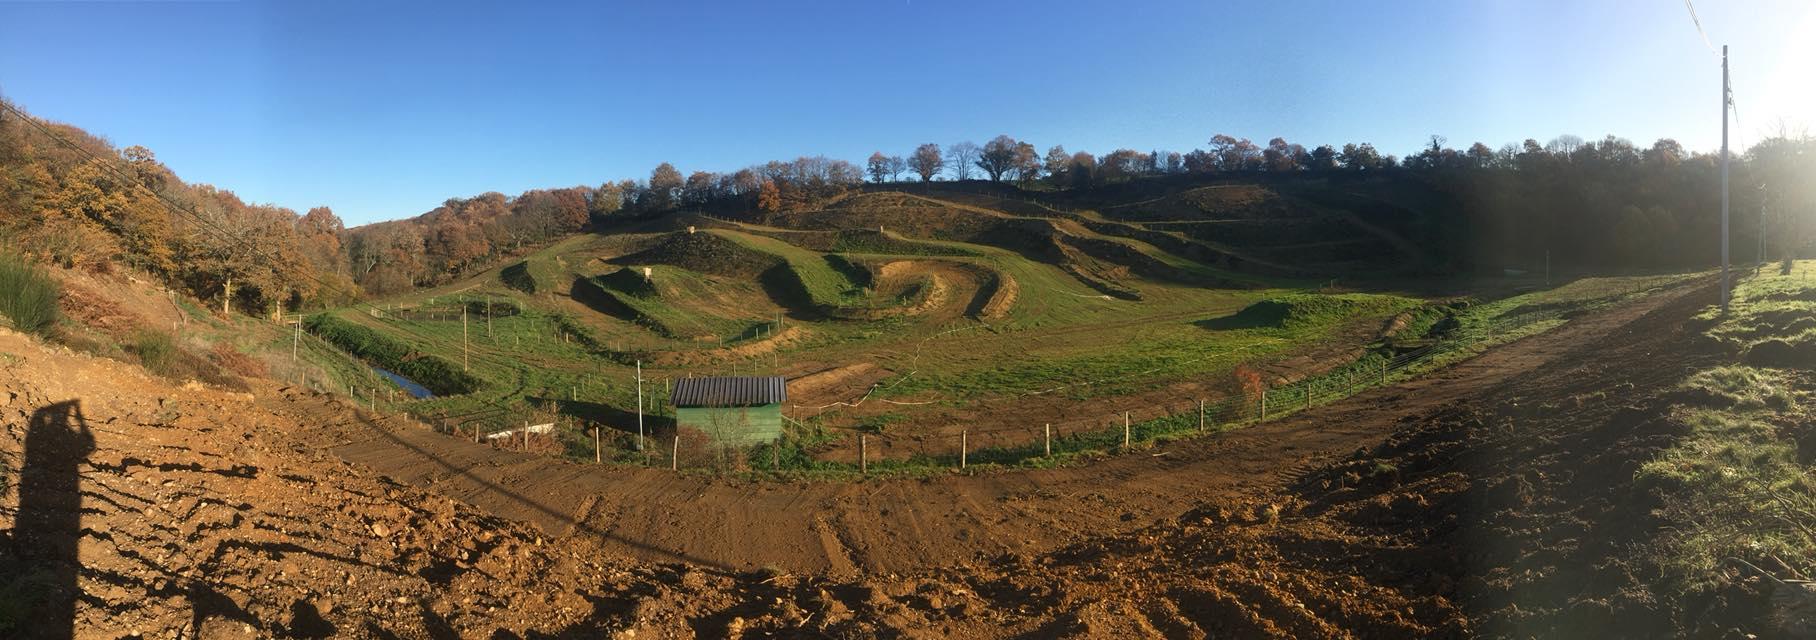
{"x":911,"y":524}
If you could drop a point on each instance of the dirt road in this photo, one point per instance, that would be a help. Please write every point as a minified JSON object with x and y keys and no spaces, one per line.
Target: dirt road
{"x":913,"y":525}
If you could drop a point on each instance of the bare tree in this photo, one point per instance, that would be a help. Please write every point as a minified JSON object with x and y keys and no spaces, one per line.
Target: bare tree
{"x":961,"y":158}
{"x":897,"y":167}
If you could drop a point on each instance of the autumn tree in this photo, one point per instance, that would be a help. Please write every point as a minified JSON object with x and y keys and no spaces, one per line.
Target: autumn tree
{"x":769,"y":197}
{"x":1282,"y":156}
{"x":1082,"y":170}
{"x":1172,"y":162}
{"x":997,"y":157}
{"x":701,"y":187}
{"x":1480,"y":156}
{"x":664,"y":190}
{"x":604,"y":201}
{"x":927,"y":161}
{"x":1056,"y":162}
{"x":1324,"y":158}
{"x":1359,"y":157}
{"x":1235,"y":154}
{"x":1026,"y":166}
{"x":897,"y":167}
{"x":1120,"y":164}
{"x":878,"y":166}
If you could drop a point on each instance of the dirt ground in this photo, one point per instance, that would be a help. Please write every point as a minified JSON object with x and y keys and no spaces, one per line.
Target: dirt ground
{"x":1490,"y":498}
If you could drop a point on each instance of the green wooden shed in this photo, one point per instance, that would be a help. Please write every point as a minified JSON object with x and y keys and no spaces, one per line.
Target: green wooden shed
{"x":735,"y":410}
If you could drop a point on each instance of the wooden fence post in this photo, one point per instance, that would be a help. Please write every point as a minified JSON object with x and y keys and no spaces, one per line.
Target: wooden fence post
{"x":1201,"y":415}
{"x":1383,"y":372}
{"x":1264,"y":405}
{"x":964,"y":447}
{"x":526,"y":436}
{"x":1125,"y":429}
{"x":775,"y":456}
{"x":674,"y":453}
{"x":1049,"y":439}
{"x":863,"y":456}
{"x":596,"y":457}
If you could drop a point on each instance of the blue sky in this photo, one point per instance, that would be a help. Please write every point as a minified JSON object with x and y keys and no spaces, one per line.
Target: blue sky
{"x":382,"y":110}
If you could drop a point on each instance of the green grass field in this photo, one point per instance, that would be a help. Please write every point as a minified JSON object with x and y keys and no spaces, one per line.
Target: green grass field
{"x":588,"y":317}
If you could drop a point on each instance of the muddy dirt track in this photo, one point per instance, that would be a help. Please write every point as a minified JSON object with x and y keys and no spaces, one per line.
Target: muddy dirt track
{"x":915,"y":525}
{"x":1493,"y":499}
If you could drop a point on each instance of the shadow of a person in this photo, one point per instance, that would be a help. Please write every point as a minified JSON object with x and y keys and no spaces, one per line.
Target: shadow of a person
{"x":49,"y":521}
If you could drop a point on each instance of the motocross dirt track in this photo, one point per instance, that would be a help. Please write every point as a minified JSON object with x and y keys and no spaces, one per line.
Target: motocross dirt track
{"x":1285,"y":529}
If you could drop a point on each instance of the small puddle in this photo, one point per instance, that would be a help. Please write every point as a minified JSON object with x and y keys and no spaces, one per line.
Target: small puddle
{"x":416,"y":391}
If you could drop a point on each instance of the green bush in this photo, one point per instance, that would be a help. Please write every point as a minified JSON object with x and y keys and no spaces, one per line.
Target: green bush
{"x":28,"y":296}
{"x":157,"y":351}
{"x":434,"y":373}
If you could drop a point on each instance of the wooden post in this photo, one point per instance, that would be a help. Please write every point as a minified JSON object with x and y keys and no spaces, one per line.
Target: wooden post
{"x":1201,"y":415}
{"x":526,"y":436}
{"x":475,"y":433}
{"x":463,"y":337}
{"x":296,"y":337}
{"x":596,"y":457}
{"x":1264,"y":404}
{"x":1049,"y":430}
{"x":1125,"y":429}
{"x":775,"y":456}
{"x":1383,"y":372}
{"x":964,"y":448}
{"x":640,"y":404}
{"x":674,"y":453}
{"x":863,"y":456}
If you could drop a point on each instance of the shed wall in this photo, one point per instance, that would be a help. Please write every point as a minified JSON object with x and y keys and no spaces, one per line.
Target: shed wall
{"x":734,"y":425}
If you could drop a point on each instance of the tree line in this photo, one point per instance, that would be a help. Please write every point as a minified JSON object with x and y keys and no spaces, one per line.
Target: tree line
{"x":96,"y":206}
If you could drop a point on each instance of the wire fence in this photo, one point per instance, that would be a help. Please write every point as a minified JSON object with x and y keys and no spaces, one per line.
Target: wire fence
{"x":868,"y":450}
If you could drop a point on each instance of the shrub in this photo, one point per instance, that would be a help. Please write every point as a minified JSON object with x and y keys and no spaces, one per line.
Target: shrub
{"x":157,"y":351}
{"x":28,"y":295}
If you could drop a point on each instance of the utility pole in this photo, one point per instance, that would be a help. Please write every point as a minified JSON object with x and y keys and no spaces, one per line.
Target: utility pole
{"x":1724,"y":180}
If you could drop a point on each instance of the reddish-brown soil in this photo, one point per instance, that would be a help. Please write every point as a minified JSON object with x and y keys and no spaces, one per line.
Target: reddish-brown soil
{"x":1491,"y":498}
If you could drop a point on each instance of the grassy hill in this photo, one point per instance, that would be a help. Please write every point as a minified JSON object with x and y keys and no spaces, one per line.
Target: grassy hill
{"x":951,"y":300}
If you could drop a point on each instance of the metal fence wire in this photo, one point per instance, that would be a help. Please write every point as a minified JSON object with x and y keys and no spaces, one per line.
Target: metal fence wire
{"x":1026,"y":444}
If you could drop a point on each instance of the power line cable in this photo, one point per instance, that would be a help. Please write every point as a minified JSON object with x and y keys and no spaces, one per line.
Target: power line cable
{"x":1699,"y":28}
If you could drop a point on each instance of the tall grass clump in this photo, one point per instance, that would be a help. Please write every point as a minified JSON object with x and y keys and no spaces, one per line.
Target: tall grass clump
{"x":158,"y":352}
{"x":28,"y":295}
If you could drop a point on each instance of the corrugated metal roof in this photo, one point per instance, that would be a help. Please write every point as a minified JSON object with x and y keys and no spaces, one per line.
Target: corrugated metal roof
{"x":729,"y":391}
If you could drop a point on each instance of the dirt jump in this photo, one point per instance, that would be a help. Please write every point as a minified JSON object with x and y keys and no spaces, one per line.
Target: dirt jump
{"x":1467,"y":502}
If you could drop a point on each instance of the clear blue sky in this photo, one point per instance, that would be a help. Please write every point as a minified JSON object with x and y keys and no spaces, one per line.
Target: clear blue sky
{"x":384,"y":109}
